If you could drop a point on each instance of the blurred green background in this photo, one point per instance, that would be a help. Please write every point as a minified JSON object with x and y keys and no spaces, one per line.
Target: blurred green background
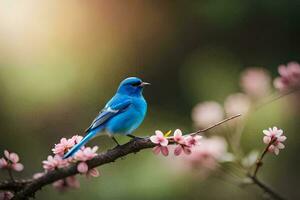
{"x":60,"y":61}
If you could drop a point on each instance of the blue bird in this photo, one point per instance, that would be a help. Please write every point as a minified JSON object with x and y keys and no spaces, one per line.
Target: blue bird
{"x":121,"y":115}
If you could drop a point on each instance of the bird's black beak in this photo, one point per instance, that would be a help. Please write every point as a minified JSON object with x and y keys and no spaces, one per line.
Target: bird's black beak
{"x":143,"y":84}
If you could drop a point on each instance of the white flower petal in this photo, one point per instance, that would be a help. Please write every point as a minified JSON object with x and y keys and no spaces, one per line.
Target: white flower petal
{"x":266,"y":132}
{"x":267,"y":139}
{"x":281,"y":138}
{"x":164,"y":142}
{"x":280,"y":145}
{"x":279,"y":132}
{"x":177,"y":133}
{"x":6,"y":153}
{"x":159,"y":133}
{"x":17,"y":167}
{"x":95,"y":148}
{"x":154,"y":139}
{"x":270,"y":130}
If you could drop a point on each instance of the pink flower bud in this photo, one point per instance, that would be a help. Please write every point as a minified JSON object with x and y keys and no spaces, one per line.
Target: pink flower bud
{"x":93,"y":173}
{"x":82,"y":167}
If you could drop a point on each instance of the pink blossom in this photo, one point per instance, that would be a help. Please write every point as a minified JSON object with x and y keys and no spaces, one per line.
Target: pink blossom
{"x":207,"y":113}
{"x":64,"y":184}
{"x":72,"y":182}
{"x":93,"y":173}
{"x":77,"y":138}
{"x":182,"y":148}
{"x":255,"y":82}
{"x":182,"y":143}
{"x":63,"y":146}
{"x":238,"y":103}
{"x":162,"y":143}
{"x":289,"y":77}
{"x":178,"y":138}
{"x":59,"y":185}
{"x":82,"y":167}
{"x":57,"y":161}
{"x":11,"y":161}
{"x":17,"y":167}
{"x":54,"y":162}
{"x":193,"y":140}
{"x":208,"y":153}
{"x":6,"y":195}
{"x":13,"y":157}
{"x":161,"y":149}
{"x":3,"y":163}
{"x":159,"y":138}
{"x":85,"y":154}
{"x":275,"y":136}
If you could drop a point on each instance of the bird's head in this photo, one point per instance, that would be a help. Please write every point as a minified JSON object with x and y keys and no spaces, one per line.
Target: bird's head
{"x":132,"y":86}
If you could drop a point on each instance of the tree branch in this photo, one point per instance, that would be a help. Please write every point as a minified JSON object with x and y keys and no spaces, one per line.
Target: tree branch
{"x":26,"y":188}
{"x":133,"y":146}
{"x":14,"y":185}
{"x":266,"y":189}
{"x":257,"y":182}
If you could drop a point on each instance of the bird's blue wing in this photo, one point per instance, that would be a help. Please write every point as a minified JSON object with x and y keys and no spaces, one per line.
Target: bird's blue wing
{"x":110,"y":110}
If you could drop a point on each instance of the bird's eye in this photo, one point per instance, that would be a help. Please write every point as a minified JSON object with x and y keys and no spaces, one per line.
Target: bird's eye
{"x":135,"y":84}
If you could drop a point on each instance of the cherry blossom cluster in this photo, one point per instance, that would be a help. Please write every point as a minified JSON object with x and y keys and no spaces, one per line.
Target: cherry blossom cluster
{"x":289,"y":77}
{"x":80,"y":157}
{"x":203,"y":158}
{"x":207,"y":113}
{"x":255,"y":83}
{"x":183,"y":143}
{"x":274,"y":138}
{"x":10,"y":161}
{"x":208,"y":155}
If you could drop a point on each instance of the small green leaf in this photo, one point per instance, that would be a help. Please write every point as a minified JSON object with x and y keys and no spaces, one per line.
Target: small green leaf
{"x":168,"y":133}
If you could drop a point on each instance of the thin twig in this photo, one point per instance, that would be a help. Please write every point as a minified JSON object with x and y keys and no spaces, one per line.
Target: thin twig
{"x":257,"y":182}
{"x":217,"y":124}
{"x":281,"y":95}
{"x":10,"y":174}
{"x":259,"y":162}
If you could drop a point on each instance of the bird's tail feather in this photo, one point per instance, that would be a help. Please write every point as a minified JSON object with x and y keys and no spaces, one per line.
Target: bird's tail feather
{"x":88,"y":137}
